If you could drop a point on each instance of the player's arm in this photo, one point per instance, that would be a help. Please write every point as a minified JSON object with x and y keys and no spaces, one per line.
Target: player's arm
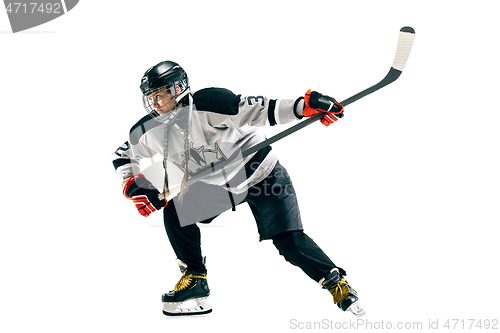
{"x":135,"y":186}
{"x":283,"y":111}
{"x":225,"y":109}
{"x":123,"y":162}
{"x":126,"y":160}
{"x":229,"y":110}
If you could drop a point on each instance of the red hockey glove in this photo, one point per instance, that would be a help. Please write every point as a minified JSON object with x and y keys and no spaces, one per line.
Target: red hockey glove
{"x":144,"y":195}
{"x":316,"y":102}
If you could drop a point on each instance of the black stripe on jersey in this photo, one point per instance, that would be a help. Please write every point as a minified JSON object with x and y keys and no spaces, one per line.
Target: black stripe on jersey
{"x":122,"y":161}
{"x":295,"y":107}
{"x":270,"y":112}
{"x":121,"y":148}
{"x":217,"y":100}
{"x":142,"y":126}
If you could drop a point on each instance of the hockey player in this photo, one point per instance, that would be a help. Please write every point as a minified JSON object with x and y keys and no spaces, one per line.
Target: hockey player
{"x":194,"y":131}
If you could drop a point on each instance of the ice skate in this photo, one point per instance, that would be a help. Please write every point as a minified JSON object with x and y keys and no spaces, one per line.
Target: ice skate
{"x":191,"y":288}
{"x":343,"y":294}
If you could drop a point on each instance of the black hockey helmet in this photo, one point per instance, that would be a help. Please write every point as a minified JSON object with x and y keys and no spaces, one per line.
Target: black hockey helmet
{"x":166,"y":74}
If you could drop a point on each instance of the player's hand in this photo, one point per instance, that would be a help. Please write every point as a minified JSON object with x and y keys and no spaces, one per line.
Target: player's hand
{"x":144,"y":194}
{"x":316,"y":102}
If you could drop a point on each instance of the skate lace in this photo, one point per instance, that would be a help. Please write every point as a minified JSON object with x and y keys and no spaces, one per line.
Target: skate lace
{"x":185,"y":281}
{"x":340,"y":291}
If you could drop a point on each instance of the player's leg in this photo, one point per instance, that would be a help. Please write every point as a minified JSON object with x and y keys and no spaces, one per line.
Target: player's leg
{"x":185,"y":240}
{"x":300,"y":250}
{"x":201,"y":203}
{"x":275,"y":207}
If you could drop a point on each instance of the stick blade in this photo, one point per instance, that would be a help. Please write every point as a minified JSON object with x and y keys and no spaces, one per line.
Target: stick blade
{"x":405,"y":43}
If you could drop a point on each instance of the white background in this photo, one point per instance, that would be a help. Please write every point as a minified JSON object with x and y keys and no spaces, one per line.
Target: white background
{"x":402,"y":192}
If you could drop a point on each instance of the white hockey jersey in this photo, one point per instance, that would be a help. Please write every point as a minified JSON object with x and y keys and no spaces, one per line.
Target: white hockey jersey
{"x":221,"y":123}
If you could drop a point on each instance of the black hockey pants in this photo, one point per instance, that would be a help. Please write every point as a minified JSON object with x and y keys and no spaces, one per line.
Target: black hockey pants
{"x":276,"y":213}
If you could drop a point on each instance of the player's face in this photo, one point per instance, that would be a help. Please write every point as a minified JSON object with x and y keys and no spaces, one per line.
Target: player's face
{"x":162,"y":101}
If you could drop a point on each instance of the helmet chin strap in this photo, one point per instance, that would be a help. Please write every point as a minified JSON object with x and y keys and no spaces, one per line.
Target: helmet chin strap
{"x":181,"y":96}
{"x":174,"y":114}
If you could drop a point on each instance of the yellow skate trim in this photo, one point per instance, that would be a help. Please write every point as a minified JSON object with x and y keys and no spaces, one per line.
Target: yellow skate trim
{"x":340,"y":291}
{"x":185,"y":281}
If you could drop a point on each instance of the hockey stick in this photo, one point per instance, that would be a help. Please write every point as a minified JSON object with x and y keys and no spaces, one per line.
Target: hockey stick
{"x":405,"y":43}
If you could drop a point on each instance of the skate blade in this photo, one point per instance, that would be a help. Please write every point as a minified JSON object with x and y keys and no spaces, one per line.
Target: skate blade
{"x":356,"y":309}
{"x":180,"y":309}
